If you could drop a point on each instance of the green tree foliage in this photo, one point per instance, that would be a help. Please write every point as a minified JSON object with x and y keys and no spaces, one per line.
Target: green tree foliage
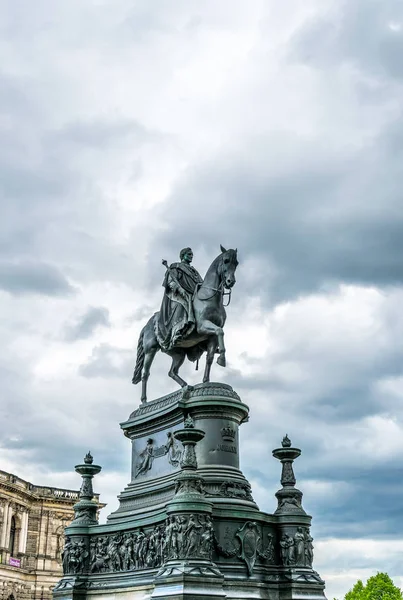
{"x":378,"y":587}
{"x":381,"y":587}
{"x":357,"y":593}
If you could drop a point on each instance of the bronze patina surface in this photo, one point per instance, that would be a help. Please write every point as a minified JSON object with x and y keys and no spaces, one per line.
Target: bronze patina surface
{"x":187,"y":525}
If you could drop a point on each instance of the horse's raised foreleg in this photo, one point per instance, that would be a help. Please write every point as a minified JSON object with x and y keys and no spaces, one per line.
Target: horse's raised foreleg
{"x":211,"y":348}
{"x":178,"y":356}
{"x":208,"y":328}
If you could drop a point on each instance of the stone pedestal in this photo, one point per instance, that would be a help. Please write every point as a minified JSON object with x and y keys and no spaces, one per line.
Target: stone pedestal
{"x":187,"y":525}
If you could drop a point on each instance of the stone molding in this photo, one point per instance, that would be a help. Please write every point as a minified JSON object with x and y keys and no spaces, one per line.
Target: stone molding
{"x":206,"y":390}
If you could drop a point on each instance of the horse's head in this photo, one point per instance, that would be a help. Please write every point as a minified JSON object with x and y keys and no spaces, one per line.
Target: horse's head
{"x":228,"y":265}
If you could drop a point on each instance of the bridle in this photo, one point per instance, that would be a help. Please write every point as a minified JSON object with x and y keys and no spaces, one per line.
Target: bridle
{"x":219,"y":290}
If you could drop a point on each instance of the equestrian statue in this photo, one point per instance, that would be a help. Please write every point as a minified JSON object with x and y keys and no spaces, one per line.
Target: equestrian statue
{"x":191,"y":318}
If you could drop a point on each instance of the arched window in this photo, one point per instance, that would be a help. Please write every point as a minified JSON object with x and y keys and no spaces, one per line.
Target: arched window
{"x":12,"y":536}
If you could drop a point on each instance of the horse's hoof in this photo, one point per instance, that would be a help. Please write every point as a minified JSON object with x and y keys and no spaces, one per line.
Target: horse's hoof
{"x":143,"y":400}
{"x":221,"y":360}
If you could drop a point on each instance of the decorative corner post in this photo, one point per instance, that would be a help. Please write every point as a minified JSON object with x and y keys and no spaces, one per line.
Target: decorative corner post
{"x":189,"y":532}
{"x":296,"y":548}
{"x":289,"y":497}
{"x":85,"y":510}
{"x":75,"y":556}
{"x":189,"y":436}
{"x":189,"y":485}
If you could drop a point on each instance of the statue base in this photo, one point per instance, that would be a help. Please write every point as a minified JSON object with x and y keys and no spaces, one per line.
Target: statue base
{"x":186,"y":532}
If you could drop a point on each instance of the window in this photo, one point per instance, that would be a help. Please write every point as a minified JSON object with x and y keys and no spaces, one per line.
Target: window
{"x":12,"y":536}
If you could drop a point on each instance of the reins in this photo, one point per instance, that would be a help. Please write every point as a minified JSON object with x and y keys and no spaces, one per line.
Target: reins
{"x":229,"y":297}
{"x":221,"y":290}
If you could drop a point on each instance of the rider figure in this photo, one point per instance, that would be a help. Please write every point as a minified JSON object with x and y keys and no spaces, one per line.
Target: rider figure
{"x":176,"y":318}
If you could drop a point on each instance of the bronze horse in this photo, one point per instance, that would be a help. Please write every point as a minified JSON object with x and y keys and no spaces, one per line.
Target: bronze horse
{"x":210,"y":316}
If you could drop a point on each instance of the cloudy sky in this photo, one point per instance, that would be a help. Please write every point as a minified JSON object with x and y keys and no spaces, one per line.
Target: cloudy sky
{"x":133,"y":128}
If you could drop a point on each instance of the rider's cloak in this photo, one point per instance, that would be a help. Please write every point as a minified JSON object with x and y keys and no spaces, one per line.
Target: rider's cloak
{"x":176,"y":320}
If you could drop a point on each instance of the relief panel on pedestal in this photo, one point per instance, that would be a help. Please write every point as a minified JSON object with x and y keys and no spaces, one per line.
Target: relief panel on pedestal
{"x":155,"y":456}
{"x":249,"y":542}
{"x":297,"y":549}
{"x":180,"y":537}
{"x":220,"y":445}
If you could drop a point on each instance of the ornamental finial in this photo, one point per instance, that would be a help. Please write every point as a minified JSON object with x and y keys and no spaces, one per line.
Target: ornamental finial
{"x":88,"y":458}
{"x":189,"y":422}
{"x":286,"y":443}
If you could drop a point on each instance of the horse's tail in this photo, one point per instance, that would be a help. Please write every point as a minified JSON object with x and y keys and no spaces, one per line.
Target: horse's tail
{"x":140,"y":359}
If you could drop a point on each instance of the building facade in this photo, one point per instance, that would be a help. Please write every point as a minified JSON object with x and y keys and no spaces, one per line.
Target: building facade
{"x":32,"y":522}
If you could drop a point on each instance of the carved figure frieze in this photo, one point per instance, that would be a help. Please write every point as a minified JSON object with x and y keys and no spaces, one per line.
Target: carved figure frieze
{"x":127,"y":551}
{"x":268,"y":554}
{"x":145,"y":458}
{"x":289,"y":503}
{"x":231,"y":546}
{"x":181,"y":537}
{"x":173,"y":449}
{"x":299,"y":546}
{"x":287,"y":550}
{"x":234,"y":489}
{"x":308,"y":549}
{"x":297,"y":550}
{"x":86,"y":515}
{"x":188,"y":537}
{"x":74,"y":556}
{"x":189,"y":486}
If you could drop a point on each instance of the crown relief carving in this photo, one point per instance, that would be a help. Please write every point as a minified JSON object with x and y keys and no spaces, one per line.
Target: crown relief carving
{"x":228,"y":433}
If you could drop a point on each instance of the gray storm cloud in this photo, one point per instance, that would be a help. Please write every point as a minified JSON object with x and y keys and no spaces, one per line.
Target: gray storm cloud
{"x":131,"y":130}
